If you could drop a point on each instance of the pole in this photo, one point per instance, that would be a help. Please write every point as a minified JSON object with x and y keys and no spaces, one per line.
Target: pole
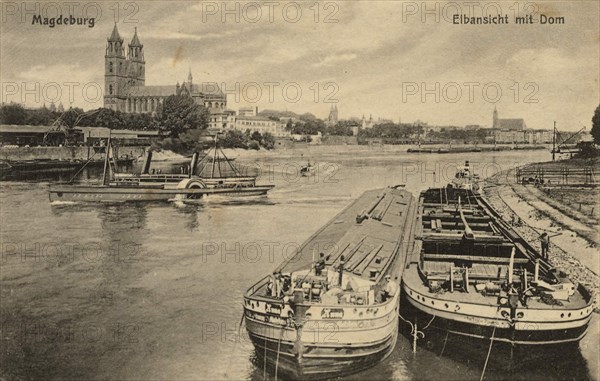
{"x":106,"y":162}
{"x":488,"y":354}
{"x":212,"y":173}
{"x":554,"y":142}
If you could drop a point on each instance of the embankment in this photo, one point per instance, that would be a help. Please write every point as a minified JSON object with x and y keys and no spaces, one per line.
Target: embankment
{"x":574,"y":245}
{"x":62,"y":153}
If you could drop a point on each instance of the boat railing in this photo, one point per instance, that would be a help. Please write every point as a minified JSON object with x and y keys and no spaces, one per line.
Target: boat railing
{"x":256,"y":286}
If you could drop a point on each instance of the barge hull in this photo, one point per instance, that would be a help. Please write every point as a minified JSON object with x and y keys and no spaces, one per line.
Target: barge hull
{"x":502,"y":333}
{"x":325,"y":362}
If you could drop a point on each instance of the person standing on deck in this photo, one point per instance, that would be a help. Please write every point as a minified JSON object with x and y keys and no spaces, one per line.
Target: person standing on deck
{"x":390,"y":288}
{"x":545,"y":243}
{"x":320,"y":266}
{"x":341,"y":270}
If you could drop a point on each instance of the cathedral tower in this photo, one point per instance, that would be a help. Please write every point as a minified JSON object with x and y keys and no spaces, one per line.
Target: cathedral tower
{"x":137,"y":64}
{"x":115,"y":72}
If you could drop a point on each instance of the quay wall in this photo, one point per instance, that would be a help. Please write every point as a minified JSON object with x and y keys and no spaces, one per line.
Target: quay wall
{"x":339,"y":140}
{"x":62,"y":153}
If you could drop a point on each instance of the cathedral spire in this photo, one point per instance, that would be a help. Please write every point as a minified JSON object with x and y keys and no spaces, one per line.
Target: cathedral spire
{"x":115,"y":36}
{"x":190,"y":75}
{"x":135,"y":41}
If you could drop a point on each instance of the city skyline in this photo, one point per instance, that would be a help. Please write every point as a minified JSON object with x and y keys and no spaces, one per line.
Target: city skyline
{"x":368,"y":66}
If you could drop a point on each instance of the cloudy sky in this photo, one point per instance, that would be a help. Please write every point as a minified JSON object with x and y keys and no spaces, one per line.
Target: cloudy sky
{"x":369,"y":57}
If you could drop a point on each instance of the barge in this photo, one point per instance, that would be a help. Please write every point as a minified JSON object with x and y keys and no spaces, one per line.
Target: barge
{"x":337,"y":310}
{"x":471,"y":274}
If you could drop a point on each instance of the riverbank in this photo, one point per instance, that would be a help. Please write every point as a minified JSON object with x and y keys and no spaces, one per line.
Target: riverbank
{"x":574,"y":245}
{"x":64,"y":153}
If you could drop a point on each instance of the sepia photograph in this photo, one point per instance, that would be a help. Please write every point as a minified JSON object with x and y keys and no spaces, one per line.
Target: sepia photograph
{"x":299,"y":190}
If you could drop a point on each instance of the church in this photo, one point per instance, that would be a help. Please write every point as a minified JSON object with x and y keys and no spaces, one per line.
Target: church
{"x":125,"y":82}
{"x":507,"y":124}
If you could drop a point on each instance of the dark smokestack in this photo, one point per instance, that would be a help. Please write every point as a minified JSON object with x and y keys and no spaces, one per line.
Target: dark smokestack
{"x":147,"y":162}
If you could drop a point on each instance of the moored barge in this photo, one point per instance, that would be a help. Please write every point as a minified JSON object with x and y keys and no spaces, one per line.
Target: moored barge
{"x":332,"y":309}
{"x":471,"y":274}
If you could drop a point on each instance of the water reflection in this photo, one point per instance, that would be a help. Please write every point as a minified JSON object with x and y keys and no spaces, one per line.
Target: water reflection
{"x":156,"y":287}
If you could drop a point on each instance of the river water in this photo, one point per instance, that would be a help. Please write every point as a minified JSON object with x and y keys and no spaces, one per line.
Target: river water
{"x":154,"y":291}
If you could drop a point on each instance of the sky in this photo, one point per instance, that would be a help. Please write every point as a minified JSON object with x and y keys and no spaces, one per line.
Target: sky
{"x":403,"y":61}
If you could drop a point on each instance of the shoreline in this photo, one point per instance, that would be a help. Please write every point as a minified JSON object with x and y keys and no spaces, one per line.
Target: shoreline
{"x":573,"y":249}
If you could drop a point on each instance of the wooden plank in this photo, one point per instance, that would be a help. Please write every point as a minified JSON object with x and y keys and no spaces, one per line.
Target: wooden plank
{"x":475,"y":258}
{"x":456,"y":235}
{"x":367,"y":259}
{"x":333,"y":259}
{"x":355,"y":248}
{"x":360,"y":254}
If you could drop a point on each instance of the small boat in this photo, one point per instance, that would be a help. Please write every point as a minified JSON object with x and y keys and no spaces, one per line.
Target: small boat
{"x":472,"y":275}
{"x":465,"y":179}
{"x":332,"y":308}
{"x":307,"y":170}
{"x":156,"y":186}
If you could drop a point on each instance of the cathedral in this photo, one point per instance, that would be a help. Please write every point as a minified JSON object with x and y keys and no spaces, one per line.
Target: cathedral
{"x":125,"y":82}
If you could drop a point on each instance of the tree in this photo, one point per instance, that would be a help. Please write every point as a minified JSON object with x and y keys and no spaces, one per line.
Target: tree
{"x":180,"y":113}
{"x":596,"y":125}
{"x":12,"y":114}
{"x":103,"y":117}
{"x":268,"y":141}
{"x":343,"y":127}
{"x":309,"y":127}
{"x":69,"y":117}
{"x":233,"y":139}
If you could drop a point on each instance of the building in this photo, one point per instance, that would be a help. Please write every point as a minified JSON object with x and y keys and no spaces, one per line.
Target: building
{"x":509,"y":136}
{"x":221,"y":119}
{"x":332,"y":119}
{"x":367,"y":123}
{"x":262,"y":125}
{"x":248,"y":111}
{"x":24,"y":135}
{"x":95,"y":136}
{"x":125,"y":86}
{"x":507,"y":124}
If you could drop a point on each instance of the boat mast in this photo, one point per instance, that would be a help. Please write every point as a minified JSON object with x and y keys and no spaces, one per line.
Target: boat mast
{"x":105,"y":178}
{"x":554,"y":141}
{"x":212,"y":174}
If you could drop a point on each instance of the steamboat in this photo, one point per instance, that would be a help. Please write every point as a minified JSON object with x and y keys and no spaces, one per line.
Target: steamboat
{"x":214,"y":170}
{"x":471,"y":274}
{"x":122,"y":187}
{"x":333,"y":308}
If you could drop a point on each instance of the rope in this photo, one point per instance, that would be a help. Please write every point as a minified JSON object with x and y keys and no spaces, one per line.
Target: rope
{"x":415,"y":331}
{"x":265,"y":360}
{"x":444,"y":346}
{"x":235,"y":344}
{"x":81,"y":169}
{"x":488,"y":354}
{"x":278,"y":347}
{"x":411,"y":324}
{"x":430,"y":321}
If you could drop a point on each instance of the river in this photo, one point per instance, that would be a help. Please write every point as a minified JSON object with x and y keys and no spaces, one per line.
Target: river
{"x":154,"y":291}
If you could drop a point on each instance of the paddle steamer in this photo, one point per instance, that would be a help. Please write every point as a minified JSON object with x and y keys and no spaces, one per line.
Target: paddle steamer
{"x":337,"y":315}
{"x":119,"y":187}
